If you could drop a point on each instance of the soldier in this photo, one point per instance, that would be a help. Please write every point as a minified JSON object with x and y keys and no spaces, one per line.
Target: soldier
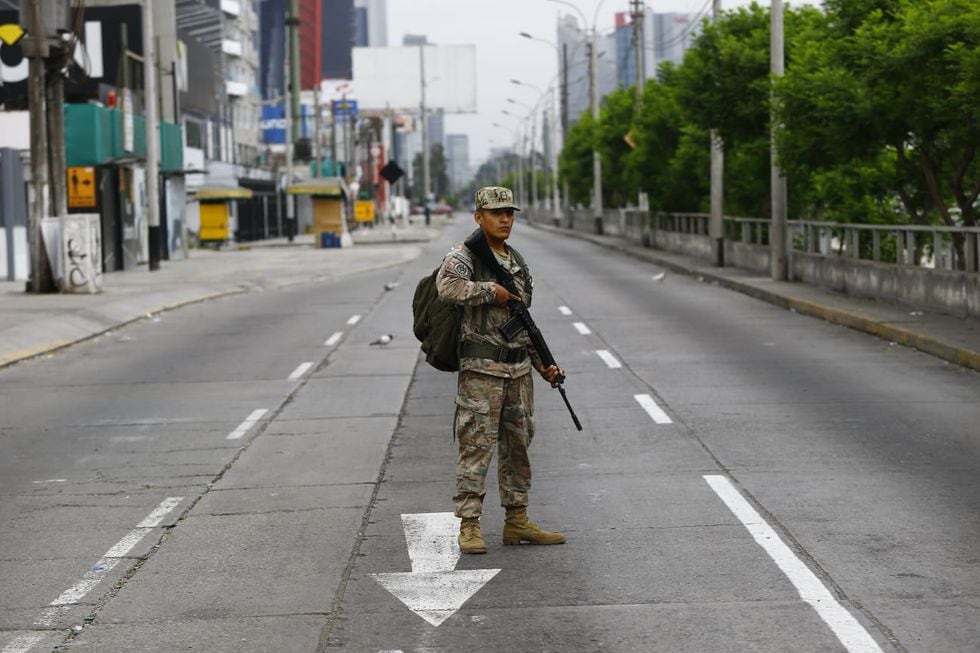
{"x":495,"y":396}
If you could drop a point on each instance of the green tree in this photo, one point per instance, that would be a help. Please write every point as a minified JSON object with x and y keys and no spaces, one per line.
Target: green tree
{"x":575,"y":163}
{"x":893,"y":86}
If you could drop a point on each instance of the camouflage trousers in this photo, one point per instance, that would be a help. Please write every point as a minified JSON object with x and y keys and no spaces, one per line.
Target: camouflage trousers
{"x":493,"y":412}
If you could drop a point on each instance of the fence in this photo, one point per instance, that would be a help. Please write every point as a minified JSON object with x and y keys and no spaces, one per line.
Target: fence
{"x":916,"y":265}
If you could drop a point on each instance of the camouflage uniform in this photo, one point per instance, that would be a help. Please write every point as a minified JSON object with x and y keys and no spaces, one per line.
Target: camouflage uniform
{"x":495,"y":398}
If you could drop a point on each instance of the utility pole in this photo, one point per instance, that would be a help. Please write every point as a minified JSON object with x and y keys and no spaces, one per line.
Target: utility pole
{"x":596,"y":160}
{"x":426,"y":161}
{"x":534,"y":162}
{"x":152,"y":135}
{"x":556,"y":199}
{"x":316,"y":130}
{"x":35,"y":47}
{"x":292,"y":125}
{"x":564,"y":92}
{"x":716,"y":223}
{"x":777,"y":232}
{"x":638,"y":9}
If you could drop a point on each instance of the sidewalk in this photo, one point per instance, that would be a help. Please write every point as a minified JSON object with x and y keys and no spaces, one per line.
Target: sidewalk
{"x":31,"y":325}
{"x":950,"y":338}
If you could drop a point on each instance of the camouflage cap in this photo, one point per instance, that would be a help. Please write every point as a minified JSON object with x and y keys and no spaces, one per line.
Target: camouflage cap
{"x":495,"y":197}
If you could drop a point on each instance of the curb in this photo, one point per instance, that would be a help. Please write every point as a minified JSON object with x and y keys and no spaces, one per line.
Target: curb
{"x":10,"y":358}
{"x":852,"y":319}
{"x":34,"y":351}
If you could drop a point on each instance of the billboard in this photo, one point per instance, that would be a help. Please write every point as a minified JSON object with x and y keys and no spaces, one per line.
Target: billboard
{"x":391,"y":77}
{"x":273,"y":123}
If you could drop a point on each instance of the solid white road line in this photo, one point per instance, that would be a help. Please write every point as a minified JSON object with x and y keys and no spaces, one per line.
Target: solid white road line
{"x":108,"y":561}
{"x":354,"y":319}
{"x":609,"y":359}
{"x":582,"y":328}
{"x":118,"y":551}
{"x":301,"y":370}
{"x":565,"y":310}
{"x":247,"y":425}
{"x":653,"y":410}
{"x":334,"y":339}
{"x":847,"y":629}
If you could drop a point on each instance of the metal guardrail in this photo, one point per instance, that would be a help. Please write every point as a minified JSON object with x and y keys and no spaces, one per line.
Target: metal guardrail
{"x":924,"y":246}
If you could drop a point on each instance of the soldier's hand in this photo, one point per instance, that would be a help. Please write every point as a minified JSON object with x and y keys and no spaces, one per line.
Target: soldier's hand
{"x":553,"y":375}
{"x":501,"y":295}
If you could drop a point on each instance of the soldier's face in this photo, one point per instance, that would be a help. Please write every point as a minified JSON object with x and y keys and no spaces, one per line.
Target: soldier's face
{"x":496,"y":223}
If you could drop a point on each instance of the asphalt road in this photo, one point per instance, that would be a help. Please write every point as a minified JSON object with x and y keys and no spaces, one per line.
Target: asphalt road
{"x":748,"y":479}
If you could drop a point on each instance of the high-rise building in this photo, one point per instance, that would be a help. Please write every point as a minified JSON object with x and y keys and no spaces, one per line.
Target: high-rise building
{"x":371,"y":23}
{"x":672,"y":35}
{"x":458,"y":159}
{"x":326,"y":36}
{"x":437,"y":127}
{"x":272,"y":48}
{"x":666,"y":37}
{"x":573,"y":46}
{"x":337,"y":40}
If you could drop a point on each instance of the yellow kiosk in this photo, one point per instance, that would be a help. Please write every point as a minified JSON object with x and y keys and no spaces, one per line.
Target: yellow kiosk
{"x":215,"y":203}
{"x":329,"y":208}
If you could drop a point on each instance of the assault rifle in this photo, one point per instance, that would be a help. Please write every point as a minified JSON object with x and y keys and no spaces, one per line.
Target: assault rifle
{"x":520,"y":318}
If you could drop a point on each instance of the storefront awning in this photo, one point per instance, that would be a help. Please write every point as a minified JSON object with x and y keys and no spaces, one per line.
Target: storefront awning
{"x":219,"y":193}
{"x":331,"y":187}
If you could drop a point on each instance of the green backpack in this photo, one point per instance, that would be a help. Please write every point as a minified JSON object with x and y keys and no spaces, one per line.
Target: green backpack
{"x":436,"y":325}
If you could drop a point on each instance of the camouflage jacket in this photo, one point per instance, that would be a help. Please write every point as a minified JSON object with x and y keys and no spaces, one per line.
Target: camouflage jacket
{"x":467,"y":282}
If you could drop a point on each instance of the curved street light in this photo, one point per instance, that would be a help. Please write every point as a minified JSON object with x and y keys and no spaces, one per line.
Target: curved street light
{"x":594,"y":96}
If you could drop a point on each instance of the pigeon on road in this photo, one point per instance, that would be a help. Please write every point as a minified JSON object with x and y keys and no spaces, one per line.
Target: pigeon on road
{"x":659,"y":277}
{"x":382,"y":341}
{"x":391,"y":285}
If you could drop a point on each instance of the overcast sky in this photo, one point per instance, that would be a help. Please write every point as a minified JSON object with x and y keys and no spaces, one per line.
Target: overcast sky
{"x":494,"y":26}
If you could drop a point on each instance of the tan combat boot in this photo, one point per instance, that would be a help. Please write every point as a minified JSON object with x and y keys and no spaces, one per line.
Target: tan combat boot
{"x":470,"y":539}
{"x":518,"y":529}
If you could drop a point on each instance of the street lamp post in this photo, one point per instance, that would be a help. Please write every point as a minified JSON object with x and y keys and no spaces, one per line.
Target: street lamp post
{"x":594,"y":99}
{"x":534,"y":168}
{"x":520,"y":144}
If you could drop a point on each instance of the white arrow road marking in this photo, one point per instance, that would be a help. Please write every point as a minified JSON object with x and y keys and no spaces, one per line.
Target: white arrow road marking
{"x":849,"y":630}
{"x":582,"y":328}
{"x":434,"y":589}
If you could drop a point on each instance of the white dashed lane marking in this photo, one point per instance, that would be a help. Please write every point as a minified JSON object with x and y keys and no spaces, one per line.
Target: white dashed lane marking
{"x":565,"y":310}
{"x":302,"y":369}
{"x":609,"y":359}
{"x":582,"y":328}
{"x":653,"y":410}
{"x":247,"y":425}
{"x":354,"y":319}
{"x":334,"y":339}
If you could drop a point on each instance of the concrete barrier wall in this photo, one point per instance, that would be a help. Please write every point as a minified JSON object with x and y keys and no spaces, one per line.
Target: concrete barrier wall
{"x":946,"y":291}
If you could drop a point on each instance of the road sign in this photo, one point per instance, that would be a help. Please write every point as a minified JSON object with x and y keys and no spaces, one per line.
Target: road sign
{"x":392,"y":172}
{"x":344,"y":108}
{"x":434,"y":589}
{"x":364,"y":211}
{"x":81,"y":187}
